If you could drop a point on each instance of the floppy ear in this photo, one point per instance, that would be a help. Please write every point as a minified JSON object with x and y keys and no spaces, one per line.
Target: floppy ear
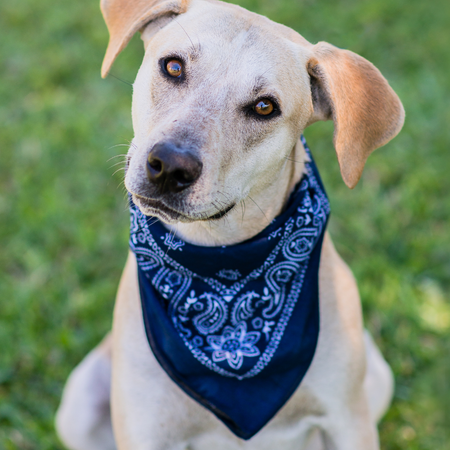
{"x":365,"y":110}
{"x":124,"y":17}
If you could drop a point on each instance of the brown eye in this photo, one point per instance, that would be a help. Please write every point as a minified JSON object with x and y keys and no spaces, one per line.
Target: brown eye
{"x":174,"y":68}
{"x":264,"y":107}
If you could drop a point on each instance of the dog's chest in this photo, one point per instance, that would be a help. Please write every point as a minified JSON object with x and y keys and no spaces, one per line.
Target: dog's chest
{"x":289,"y":428}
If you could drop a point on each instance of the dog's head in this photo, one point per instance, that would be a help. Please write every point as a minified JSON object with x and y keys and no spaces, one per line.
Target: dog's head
{"x":223,"y":95}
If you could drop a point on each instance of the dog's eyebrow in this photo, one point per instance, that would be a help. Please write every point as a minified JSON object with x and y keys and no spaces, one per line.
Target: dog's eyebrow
{"x":260,"y":84}
{"x":194,"y":50}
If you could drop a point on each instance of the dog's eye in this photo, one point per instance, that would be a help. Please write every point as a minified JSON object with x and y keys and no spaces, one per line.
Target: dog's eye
{"x":264,"y":107}
{"x":174,"y":68}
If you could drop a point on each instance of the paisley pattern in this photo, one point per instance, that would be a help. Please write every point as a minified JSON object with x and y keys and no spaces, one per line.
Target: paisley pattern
{"x":233,"y":319}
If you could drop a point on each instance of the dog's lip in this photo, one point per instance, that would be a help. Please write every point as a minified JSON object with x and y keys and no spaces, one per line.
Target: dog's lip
{"x":159,"y":206}
{"x":173,"y":213}
{"x":221,"y":213}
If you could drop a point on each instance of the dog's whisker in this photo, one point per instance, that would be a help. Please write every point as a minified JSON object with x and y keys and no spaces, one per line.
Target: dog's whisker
{"x":149,"y":224}
{"x":294,"y":160}
{"x":210,"y":229}
{"x":131,"y":143}
{"x":227,"y":196}
{"x":270,"y":68}
{"x":118,"y":170}
{"x":122,"y":163}
{"x":120,"y":79}
{"x":184,"y":32}
{"x":171,"y":236}
{"x":242,"y":203}
{"x":124,"y":155}
{"x":155,"y":219}
{"x":121,"y":185}
{"x":227,"y":220}
{"x":268,"y":221}
{"x":119,"y":145}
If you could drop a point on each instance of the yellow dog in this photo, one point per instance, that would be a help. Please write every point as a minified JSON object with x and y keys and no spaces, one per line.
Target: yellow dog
{"x":205,"y":60}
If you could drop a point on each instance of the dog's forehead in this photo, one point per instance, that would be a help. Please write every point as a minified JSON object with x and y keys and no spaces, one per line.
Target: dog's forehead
{"x":229,"y":17}
{"x":221,"y":32}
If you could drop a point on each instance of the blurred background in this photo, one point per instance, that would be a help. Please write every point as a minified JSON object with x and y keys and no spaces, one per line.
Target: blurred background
{"x":64,"y":220}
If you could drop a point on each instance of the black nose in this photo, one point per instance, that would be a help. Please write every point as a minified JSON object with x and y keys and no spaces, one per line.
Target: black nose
{"x":172,"y":168}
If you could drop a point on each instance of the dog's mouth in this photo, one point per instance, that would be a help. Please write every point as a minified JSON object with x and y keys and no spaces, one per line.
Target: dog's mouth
{"x":221,"y":213}
{"x":152,"y":207}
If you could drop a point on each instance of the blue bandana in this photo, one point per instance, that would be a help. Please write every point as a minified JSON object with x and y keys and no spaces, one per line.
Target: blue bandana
{"x":236,"y":327}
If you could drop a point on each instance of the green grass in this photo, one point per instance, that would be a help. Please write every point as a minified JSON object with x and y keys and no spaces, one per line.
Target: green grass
{"x":63,"y":230}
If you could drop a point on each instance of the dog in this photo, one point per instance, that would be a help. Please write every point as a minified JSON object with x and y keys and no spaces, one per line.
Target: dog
{"x":236,"y":90}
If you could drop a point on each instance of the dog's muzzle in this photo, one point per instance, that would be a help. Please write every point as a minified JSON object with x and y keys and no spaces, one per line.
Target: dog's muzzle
{"x":172,"y":168}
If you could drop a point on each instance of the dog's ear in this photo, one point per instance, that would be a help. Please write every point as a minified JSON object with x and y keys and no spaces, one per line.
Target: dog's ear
{"x":124,"y":17}
{"x":365,"y":110}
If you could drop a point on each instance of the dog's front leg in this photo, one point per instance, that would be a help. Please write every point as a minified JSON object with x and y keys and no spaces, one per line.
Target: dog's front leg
{"x":149,"y":411}
{"x":352,"y":429}
{"x":340,"y":367}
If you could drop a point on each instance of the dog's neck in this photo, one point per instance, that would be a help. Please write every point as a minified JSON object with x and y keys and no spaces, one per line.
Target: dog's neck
{"x":253,"y":214}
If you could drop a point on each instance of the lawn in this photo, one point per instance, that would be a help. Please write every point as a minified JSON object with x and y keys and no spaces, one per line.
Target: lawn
{"x":64,"y":222}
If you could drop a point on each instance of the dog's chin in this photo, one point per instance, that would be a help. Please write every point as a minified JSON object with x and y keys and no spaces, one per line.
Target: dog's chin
{"x":170,"y":216}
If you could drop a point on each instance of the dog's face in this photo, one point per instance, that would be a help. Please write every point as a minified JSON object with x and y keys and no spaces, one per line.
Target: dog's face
{"x":233,"y":109}
{"x":221,"y":99}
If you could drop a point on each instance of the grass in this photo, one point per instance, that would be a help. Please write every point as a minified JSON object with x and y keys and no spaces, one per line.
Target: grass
{"x":64,"y":223}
